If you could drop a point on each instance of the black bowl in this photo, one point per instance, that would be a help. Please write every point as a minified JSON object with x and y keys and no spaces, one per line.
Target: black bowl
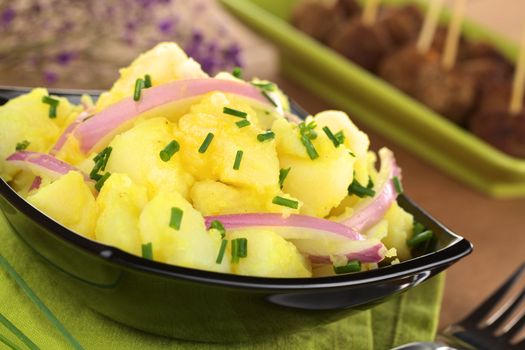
{"x":208,"y":306}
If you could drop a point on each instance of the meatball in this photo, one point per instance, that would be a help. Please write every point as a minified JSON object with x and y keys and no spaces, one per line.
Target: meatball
{"x":450,"y":93}
{"x":403,"y":24}
{"x":348,"y":8}
{"x":317,"y":19}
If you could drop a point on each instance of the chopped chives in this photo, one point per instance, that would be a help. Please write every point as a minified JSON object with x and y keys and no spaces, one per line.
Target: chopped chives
{"x":361,"y":191}
{"x":237,"y":72}
{"x":239,"y":249}
{"x":418,"y":228}
{"x":397,"y":185}
{"x":101,"y":161}
{"x":308,"y":130}
{"x":176,"y":218}
{"x":268,"y":135}
{"x":310,"y":149}
{"x":351,"y":153}
{"x":206,"y":143}
{"x":285,"y":202}
{"x":283,"y":173}
{"x":238,"y":158}
{"x":168,"y":151}
{"x":331,"y":136}
{"x":234,"y":112}
{"x":147,"y":81}
{"x":351,"y":266}
{"x":101,"y":181}
{"x":265,"y":94}
{"x":139,"y":85}
{"x":217,"y":225}
{"x":265,"y":86}
{"x":147,"y":251}
{"x":20,"y":146}
{"x":419,"y":238}
{"x":242,"y":123}
{"x":222,"y":250}
{"x":107,"y":153}
{"x":53,"y":104}
{"x":340,"y":137}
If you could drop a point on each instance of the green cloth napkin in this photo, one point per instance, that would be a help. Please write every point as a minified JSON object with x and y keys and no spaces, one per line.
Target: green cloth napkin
{"x":409,"y":317}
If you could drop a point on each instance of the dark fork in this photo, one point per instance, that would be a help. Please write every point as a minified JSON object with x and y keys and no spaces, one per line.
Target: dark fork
{"x":473,"y":332}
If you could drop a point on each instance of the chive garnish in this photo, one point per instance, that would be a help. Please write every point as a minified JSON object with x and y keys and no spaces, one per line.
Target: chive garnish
{"x":41,"y":306}
{"x":397,"y":185}
{"x":217,"y":225}
{"x":265,"y":86}
{"x":234,"y":112}
{"x":20,"y":146}
{"x":238,"y":158}
{"x":331,"y":136}
{"x":147,"y":251}
{"x":310,"y":149}
{"x":53,"y":104}
{"x":101,"y":181}
{"x":139,"y":85}
{"x":268,"y":135}
{"x":206,"y":143}
{"x":147,"y":81}
{"x":419,"y":238}
{"x":351,"y":153}
{"x":361,"y":191}
{"x":18,"y":333}
{"x":239,"y":249}
{"x":340,"y":137}
{"x":101,"y":161}
{"x":237,"y":72}
{"x":283,"y":173}
{"x":242,"y":123}
{"x":308,"y":130}
{"x":285,"y":202}
{"x":265,"y":94}
{"x":168,"y":151}
{"x":418,"y":228}
{"x":222,"y":249}
{"x":176,"y":218}
{"x":351,"y":266}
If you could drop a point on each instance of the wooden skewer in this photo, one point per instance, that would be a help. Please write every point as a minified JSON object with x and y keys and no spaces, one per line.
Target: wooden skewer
{"x":452,"y":41}
{"x":370,"y":12}
{"x":518,"y":85}
{"x":429,"y":26}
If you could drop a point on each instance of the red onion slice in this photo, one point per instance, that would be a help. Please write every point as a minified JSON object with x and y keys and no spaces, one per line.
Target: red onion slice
{"x":42,"y":164}
{"x":68,"y":131}
{"x":184,"y":92}
{"x":369,"y":211}
{"x":317,"y":238}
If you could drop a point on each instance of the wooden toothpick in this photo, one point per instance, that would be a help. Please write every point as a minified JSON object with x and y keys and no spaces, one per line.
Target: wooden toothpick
{"x":516,"y":101}
{"x":370,"y":12}
{"x":429,"y":26}
{"x":452,"y":42}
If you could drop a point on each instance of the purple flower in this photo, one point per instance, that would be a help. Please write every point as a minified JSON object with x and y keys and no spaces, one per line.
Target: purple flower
{"x":64,"y":57}
{"x":8,"y":16}
{"x":50,"y":77}
{"x":166,"y":25}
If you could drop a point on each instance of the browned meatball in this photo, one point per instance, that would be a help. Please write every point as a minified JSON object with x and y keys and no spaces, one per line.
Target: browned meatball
{"x":349,"y":8}
{"x":450,"y":93}
{"x":364,"y":45}
{"x":403,"y":24}
{"x":316,"y":19}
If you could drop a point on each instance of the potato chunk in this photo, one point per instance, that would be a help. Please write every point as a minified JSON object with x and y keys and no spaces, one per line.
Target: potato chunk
{"x":69,"y":201}
{"x":119,"y":204}
{"x":26,"y":118}
{"x":259,"y":166}
{"x":165,"y":62}
{"x":189,"y":246}
{"x":136,"y":153}
{"x":400,"y":226}
{"x":269,"y":255}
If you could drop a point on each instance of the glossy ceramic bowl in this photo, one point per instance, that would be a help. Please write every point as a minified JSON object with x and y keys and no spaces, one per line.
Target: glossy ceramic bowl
{"x":208,"y":306}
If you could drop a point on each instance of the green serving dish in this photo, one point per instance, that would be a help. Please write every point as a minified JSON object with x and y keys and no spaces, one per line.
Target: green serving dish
{"x":382,"y":107}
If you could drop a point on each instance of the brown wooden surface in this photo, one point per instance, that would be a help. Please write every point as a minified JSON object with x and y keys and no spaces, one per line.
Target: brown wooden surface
{"x":495,"y":227}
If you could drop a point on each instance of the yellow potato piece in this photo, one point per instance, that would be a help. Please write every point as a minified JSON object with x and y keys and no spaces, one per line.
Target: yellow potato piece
{"x":189,"y":246}
{"x":215,"y":198}
{"x":259,"y":166}
{"x":165,"y":62}
{"x":400,"y":226}
{"x":119,"y":204}
{"x":69,"y":201}
{"x":136,"y":153}
{"x":26,"y":118}
{"x":268,"y":255}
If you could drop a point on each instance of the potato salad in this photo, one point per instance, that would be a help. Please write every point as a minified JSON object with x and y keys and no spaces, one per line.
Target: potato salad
{"x":211,"y":173}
